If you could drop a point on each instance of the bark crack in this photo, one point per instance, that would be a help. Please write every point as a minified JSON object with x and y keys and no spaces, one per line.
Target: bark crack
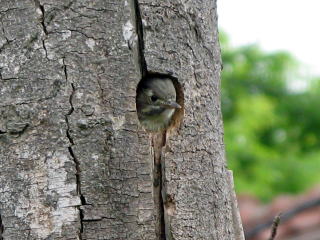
{"x":65,"y":68}
{"x":158,"y":142}
{"x":42,"y":20}
{"x":139,"y":30}
{"x":1,"y":228}
{"x":100,"y":87}
{"x":41,"y":8}
{"x":45,"y":48}
{"x":76,"y":161}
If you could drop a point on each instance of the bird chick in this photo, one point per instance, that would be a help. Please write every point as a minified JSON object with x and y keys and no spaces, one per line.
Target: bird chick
{"x":156,"y":103}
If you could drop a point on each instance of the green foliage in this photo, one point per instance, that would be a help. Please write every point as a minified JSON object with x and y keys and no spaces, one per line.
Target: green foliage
{"x":271,"y":133}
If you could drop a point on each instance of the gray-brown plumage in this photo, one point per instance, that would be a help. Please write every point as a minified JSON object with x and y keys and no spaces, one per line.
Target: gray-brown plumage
{"x":156,"y":103}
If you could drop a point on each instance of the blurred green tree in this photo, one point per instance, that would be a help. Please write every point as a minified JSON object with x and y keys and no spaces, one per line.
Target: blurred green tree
{"x":271,"y":131}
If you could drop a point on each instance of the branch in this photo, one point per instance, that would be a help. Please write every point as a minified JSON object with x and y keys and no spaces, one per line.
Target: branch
{"x":275,"y":225}
{"x":284,"y":217}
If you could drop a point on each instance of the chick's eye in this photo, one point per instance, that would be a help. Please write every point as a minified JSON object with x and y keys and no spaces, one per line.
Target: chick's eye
{"x":154,"y":98}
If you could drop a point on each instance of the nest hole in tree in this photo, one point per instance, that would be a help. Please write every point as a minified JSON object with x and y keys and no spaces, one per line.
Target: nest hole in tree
{"x":177,"y":117}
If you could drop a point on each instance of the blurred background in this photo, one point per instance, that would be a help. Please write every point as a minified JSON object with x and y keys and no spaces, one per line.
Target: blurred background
{"x":270,"y":103}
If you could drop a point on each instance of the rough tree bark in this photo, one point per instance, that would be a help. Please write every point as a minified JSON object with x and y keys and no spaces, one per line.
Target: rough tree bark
{"x":74,"y":161}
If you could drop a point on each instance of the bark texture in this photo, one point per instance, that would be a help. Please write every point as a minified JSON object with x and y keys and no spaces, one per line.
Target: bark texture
{"x":74,"y":161}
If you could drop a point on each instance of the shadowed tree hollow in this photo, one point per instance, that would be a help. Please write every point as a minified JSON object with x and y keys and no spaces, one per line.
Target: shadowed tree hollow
{"x":74,"y":161}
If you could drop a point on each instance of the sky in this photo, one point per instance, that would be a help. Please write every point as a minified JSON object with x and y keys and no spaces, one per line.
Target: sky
{"x":290,"y":25}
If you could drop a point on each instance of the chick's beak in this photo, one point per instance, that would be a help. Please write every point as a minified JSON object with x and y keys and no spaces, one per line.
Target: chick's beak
{"x":171,"y":104}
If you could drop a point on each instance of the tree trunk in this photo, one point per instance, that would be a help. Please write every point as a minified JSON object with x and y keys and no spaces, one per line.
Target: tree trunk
{"x":74,"y":161}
